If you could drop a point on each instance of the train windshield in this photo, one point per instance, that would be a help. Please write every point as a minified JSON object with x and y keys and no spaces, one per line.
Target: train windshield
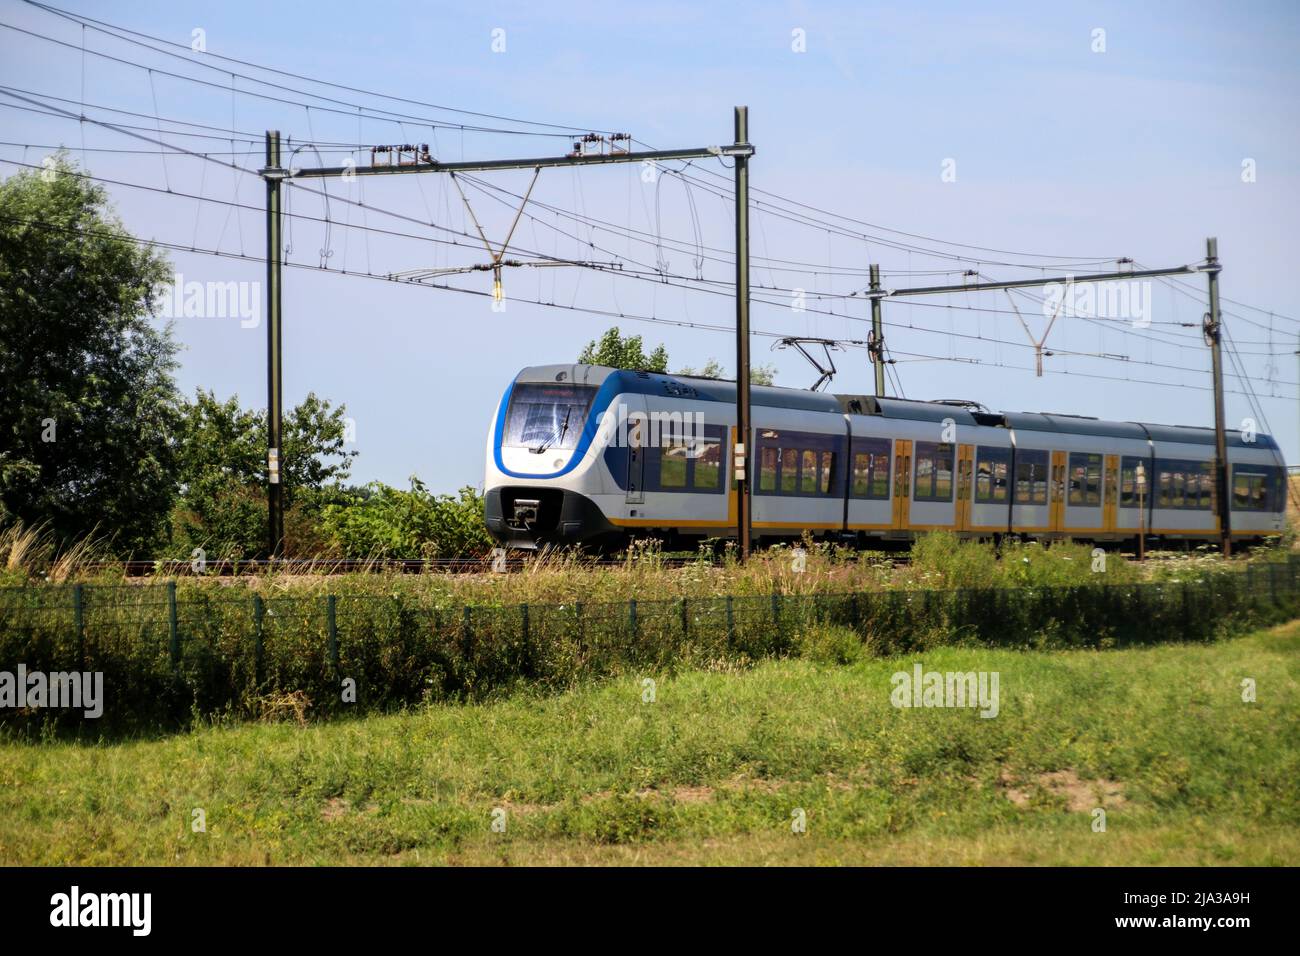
{"x":544,"y":415}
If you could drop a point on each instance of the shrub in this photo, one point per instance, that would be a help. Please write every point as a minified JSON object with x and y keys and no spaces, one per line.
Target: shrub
{"x":942,"y":560}
{"x":830,"y":644}
{"x":387,"y":522}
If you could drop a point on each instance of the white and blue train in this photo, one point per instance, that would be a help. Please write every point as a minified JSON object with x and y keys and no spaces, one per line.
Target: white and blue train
{"x":584,"y":454}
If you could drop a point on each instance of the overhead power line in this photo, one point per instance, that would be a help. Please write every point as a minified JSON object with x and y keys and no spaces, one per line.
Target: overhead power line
{"x":587,"y":310}
{"x":108,"y":29}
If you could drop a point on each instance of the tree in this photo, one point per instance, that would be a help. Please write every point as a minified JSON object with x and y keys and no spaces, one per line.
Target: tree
{"x":87,"y":401}
{"x":222,"y":470}
{"x":758,"y":374}
{"x":618,"y":352}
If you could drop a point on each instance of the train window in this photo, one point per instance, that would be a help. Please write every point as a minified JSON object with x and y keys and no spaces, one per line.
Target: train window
{"x":1085,"y":479}
{"x":682,"y":462}
{"x":546,"y":415}
{"x":806,"y":463}
{"x":870,"y":468}
{"x":808,"y":473}
{"x":1257,"y":488}
{"x":767,"y":470}
{"x":789,"y":471}
{"x":672,"y":467}
{"x":880,"y":475}
{"x":1205,"y":473}
{"x":991,"y":464}
{"x":1177,"y":487}
{"x":861,"y":475}
{"x":1031,"y":477}
{"x":828,"y":470}
{"x":1248,"y":491}
{"x":1181,"y":484}
{"x":1128,"y":491}
{"x":933,"y":472}
{"x":708,"y":465}
{"x":1191,"y":485}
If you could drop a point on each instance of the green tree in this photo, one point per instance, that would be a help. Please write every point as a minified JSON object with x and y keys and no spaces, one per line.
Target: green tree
{"x":88,"y":405}
{"x":222,"y":471}
{"x":758,"y":374}
{"x":614,"y":350}
{"x":379,"y":521}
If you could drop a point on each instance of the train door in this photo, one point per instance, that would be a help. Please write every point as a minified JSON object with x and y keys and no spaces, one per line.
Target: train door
{"x":637,"y":438}
{"x":1110,"y":494}
{"x":965,"y":478}
{"x":902,"y":483}
{"x":1056,"y":492}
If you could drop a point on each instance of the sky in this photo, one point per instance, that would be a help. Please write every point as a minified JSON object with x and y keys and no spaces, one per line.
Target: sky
{"x":1063,"y":136}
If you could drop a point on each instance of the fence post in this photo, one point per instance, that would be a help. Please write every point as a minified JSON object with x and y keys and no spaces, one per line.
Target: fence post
{"x":631,"y":619}
{"x":173,"y":632}
{"x":523,"y":626}
{"x":259,"y":650}
{"x":1187,"y":609}
{"x":731,"y":623}
{"x":331,"y":626}
{"x":686,"y":623}
{"x":577,"y":612}
{"x":467,"y":635}
{"x":1272,"y":583}
{"x":79,"y":623}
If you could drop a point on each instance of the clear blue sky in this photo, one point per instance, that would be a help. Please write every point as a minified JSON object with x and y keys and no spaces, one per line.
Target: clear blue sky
{"x":1136,"y":151}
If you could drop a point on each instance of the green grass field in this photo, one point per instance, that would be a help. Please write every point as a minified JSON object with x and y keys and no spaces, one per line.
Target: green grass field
{"x":712,"y":770}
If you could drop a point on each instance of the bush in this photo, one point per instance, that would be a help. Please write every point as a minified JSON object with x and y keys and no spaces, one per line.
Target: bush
{"x":831,"y":644}
{"x":386,"y":522}
{"x":942,"y":560}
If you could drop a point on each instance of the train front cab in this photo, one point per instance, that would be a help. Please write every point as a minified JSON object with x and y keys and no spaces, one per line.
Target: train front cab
{"x":539,"y":466}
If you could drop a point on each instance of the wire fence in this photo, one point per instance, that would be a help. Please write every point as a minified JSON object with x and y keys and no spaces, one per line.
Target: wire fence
{"x":168,"y":656}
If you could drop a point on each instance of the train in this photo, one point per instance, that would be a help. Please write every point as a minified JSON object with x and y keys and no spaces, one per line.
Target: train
{"x":595,"y":456}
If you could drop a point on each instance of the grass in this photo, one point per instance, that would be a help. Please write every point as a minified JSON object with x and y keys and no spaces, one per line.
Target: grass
{"x":712,"y":770}
{"x":939,"y":560}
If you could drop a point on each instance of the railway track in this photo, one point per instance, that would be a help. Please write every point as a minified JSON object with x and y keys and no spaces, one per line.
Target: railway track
{"x":513,"y":562}
{"x":253,"y":566}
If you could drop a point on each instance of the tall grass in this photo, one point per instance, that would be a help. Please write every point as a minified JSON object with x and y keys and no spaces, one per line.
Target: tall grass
{"x":30,"y":553}
{"x":199,"y":647}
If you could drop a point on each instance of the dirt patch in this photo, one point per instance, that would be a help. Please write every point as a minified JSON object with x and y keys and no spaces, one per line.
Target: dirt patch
{"x":691,"y":794}
{"x":1080,"y":795}
{"x":759,"y":784}
{"x":336,"y":808}
{"x":699,"y":794}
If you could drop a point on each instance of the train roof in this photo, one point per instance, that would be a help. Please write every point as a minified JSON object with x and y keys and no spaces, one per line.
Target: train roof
{"x":1073,"y":425}
{"x":963,"y":413}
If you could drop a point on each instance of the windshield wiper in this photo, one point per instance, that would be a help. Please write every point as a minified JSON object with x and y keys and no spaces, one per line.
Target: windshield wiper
{"x":564,"y":427}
